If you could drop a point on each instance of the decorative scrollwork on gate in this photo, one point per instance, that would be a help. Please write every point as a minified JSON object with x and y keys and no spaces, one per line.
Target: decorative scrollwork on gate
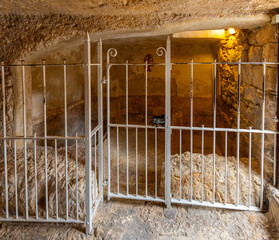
{"x":160,"y":51}
{"x":112,"y":52}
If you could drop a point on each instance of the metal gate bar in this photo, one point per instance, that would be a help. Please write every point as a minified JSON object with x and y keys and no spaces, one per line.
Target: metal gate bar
{"x":28,"y":140}
{"x":168,"y":128}
{"x":113,"y":53}
{"x":238,"y":130}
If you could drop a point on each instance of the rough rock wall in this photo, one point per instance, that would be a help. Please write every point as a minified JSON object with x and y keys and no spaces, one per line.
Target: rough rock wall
{"x":203,"y":184}
{"x":9,"y":94}
{"x":20,"y":35}
{"x":76,"y":182}
{"x":250,"y":46}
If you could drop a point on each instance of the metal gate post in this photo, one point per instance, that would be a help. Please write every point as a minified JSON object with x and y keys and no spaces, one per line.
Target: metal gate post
{"x":87,"y":111}
{"x":168,"y":124}
{"x":100,"y":116}
{"x":112,"y":52}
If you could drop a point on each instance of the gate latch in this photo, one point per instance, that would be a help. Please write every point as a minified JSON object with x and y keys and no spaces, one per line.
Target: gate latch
{"x":104,"y":81}
{"x":105,"y":182}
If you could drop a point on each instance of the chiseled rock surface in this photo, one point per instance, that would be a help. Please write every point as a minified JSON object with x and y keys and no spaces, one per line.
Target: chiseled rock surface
{"x":137,"y":220}
{"x":273,"y":200}
{"x":40,"y":160}
{"x":220,"y":179}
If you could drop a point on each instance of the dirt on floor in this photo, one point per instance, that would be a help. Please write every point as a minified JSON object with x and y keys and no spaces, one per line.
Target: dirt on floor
{"x":138,"y":220}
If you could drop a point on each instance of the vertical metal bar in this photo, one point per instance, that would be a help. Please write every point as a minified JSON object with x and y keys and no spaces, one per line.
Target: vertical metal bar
{"x":156,"y":167}
{"x":95,"y":168}
{"x":5,"y":140}
{"x":277,"y":124}
{"x":24,"y":134}
{"x":250,"y":155}
{"x":168,"y":124}
{"x":263,"y":126}
{"x":127,"y":130}
{"x":191,"y":131}
{"x":146,"y":78}
{"x":16,"y":198}
{"x":100,"y":116}
{"x":56,"y":179}
{"x":117,"y":150}
{"x":146,"y":141}
{"x":35,"y":168}
{"x":88,"y":163}
{"x":214,"y":132}
{"x":226,"y":165}
{"x":45,"y":135}
{"x":136,"y":161}
{"x":274,"y":159}
{"x":110,"y":52}
{"x":77,"y":173}
{"x":180,"y":174}
{"x":66,"y":135}
{"x":202,"y":160}
{"x":238,"y":133}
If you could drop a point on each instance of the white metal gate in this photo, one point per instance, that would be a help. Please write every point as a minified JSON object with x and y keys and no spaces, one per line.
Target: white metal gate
{"x":169,"y":195}
{"x":60,"y":197}
{"x":12,"y":195}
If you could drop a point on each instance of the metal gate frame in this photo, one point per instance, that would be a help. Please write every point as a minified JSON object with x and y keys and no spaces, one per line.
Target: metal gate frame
{"x":94,"y":194}
{"x":92,"y":203}
{"x":168,"y":130}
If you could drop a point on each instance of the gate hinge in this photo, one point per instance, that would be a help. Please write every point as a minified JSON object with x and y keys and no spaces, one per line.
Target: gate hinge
{"x":105,"y":182}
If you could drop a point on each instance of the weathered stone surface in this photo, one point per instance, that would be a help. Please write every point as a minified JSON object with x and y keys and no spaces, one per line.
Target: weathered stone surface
{"x":170,"y":213}
{"x":267,"y":34}
{"x":261,"y":44}
{"x":271,"y":76}
{"x":40,"y":164}
{"x":252,"y":37}
{"x":121,"y":220}
{"x":220,"y":178}
{"x":273,"y":200}
{"x":270,"y":52}
{"x":255,"y":54}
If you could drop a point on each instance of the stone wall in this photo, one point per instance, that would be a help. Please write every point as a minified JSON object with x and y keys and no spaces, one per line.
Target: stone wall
{"x":9,"y":102}
{"x":250,"y":46}
{"x":135,"y":51}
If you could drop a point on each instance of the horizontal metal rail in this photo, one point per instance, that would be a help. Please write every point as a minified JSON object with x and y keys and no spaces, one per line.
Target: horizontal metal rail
{"x":41,"y":138}
{"x":194,"y":63}
{"x":226,"y":63}
{"x":135,"y":126}
{"x":134,"y":197}
{"x":136,"y":64}
{"x":196,"y":128}
{"x":49,"y":64}
{"x":33,"y":219}
{"x":216,"y":205}
{"x":225,"y":130}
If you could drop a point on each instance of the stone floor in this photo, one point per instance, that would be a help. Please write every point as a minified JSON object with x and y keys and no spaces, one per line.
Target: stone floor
{"x":139,"y":220}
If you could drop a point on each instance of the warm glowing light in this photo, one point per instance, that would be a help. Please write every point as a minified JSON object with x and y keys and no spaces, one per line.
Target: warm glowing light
{"x":231,"y":31}
{"x":219,"y":34}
